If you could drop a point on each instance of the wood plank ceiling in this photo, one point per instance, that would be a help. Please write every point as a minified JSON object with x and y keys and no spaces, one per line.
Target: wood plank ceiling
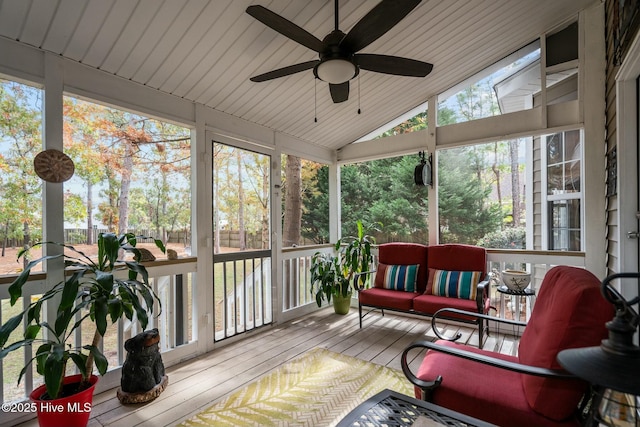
{"x":206,"y":50}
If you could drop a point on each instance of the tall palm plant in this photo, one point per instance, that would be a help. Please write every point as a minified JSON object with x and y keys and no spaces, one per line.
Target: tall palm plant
{"x":336,"y":274}
{"x":92,"y":292}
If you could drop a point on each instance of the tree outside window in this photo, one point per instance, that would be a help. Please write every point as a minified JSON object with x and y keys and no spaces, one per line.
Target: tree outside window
{"x":20,"y":187}
{"x":305,"y":202}
{"x":382,"y":194}
{"x":132,"y":174}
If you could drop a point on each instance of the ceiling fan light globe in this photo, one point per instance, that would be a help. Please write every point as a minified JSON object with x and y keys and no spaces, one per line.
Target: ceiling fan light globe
{"x":336,"y":71}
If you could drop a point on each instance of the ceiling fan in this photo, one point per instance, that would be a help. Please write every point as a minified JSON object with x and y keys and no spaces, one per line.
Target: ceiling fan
{"x":339,"y":61}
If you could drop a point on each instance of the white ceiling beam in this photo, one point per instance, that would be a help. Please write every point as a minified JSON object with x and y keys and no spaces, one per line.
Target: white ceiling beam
{"x":497,"y":128}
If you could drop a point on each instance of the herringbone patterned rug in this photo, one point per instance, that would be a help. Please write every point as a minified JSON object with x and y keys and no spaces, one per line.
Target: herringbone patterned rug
{"x":317,"y":389}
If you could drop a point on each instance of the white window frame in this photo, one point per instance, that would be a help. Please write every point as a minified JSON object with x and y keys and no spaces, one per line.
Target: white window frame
{"x":546,"y":198}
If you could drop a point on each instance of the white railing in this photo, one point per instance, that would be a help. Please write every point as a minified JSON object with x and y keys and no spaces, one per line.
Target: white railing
{"x":297,"y":261}
{"x":242,"y":292}
{"x":535,"y":262}
{"x":247,"y":303}
{"x":174,"y":284}
{"x":296,"y":276}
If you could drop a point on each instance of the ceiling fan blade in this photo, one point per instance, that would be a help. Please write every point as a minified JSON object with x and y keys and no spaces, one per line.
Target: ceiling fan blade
{"x":285,"y":27}
{"x":339,"y":92}
{"x":393,"y":65}
{"x":285,"y":71}
{"x":377,"y":22}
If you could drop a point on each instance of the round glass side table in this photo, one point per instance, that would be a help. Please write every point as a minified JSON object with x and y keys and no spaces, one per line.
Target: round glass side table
{"x":517,"y":299}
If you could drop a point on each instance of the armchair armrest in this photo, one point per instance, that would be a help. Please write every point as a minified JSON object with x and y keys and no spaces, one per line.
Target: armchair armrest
{"x":483,"y":292}
{"x":434,"y":319}
{"x":480,"y":358}
{"x":356,"y":279}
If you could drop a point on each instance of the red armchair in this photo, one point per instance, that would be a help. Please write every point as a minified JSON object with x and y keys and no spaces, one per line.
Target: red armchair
{"x":530,"y":389}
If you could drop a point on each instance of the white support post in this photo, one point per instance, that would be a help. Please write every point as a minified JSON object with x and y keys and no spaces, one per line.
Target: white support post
{"x":335,"y":218}
{"x":433,"y":219}
{"x":276,"y":281}
{"x":202,"y":234}
{"x":53,"y":205}
{"x":543,"y":80}
{"x":592,"y":91}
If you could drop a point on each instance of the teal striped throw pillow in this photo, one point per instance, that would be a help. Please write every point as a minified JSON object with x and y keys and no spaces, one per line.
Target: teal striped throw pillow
{"x":455,"y":284}
{"x":401,"y":277}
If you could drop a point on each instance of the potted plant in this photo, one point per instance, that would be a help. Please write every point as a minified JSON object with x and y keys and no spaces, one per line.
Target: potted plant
{"x":333,"y":275}
{"x":91,"y":292}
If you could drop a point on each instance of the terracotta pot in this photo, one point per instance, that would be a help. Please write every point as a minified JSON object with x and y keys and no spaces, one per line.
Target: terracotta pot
{"x":70,"y":411}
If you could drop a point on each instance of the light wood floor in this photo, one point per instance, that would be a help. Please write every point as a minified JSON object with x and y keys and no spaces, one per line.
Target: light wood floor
{"x":196,"y":384}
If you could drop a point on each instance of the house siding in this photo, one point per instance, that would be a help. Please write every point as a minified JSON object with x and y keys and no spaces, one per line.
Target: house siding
{"x":612,"y":254}
{"x":614,"y":233}
{"x":537,"y":195}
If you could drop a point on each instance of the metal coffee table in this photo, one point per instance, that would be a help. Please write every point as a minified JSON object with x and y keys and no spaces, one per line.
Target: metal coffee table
{"x":391,"y":409}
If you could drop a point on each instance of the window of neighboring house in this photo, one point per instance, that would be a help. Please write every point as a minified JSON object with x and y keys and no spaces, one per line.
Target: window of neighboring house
{"x":514,"y":83}
{"x":505,"y":87}
{"x":564,"y":192}
{"x":305,"y":202}
{"x":20,"y":187}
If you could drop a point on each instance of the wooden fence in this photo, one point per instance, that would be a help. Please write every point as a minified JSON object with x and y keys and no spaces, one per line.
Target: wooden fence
{"x":77,"y":236}
{"x":231,"y":239}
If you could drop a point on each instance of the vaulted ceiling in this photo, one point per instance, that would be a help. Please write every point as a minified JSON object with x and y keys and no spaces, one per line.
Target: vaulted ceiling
{"x":206,"y":50}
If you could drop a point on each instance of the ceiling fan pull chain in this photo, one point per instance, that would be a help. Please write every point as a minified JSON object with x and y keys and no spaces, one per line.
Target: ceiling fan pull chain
{"x":358,"y":93}
{"x":315,"y":100}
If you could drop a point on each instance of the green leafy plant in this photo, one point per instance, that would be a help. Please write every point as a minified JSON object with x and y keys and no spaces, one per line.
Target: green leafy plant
{"x":91,"y":292}
{"x":509,"y":238}
{"x":335,"y":273}
{"x":327,"y":278}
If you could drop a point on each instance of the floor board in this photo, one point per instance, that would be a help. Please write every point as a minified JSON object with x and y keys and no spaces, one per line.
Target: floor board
{"x":196,"y":384}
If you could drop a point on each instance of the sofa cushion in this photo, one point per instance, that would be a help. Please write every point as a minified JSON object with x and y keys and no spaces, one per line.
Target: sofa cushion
{"x":464,"y":389}
{"x":429,"y":304}
{"x":569,"y":312}
{"x":387,"y":298}
{"x":453,"y":284}
{"x":406,"y":254}
{"x":398,"y":277}
{"x":455,"y":257}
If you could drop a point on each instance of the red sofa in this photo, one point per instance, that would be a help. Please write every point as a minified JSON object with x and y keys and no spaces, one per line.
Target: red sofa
{"x":452,"y":267}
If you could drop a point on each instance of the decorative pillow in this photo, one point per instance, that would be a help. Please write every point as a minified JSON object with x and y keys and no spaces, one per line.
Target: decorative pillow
{"x":381,"y":269}
{"x":400,"y":277}
{"x":454,"y":284}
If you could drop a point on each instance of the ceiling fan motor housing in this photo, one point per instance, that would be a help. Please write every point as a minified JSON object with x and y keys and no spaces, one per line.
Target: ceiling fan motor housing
{"x":332,"y":50}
